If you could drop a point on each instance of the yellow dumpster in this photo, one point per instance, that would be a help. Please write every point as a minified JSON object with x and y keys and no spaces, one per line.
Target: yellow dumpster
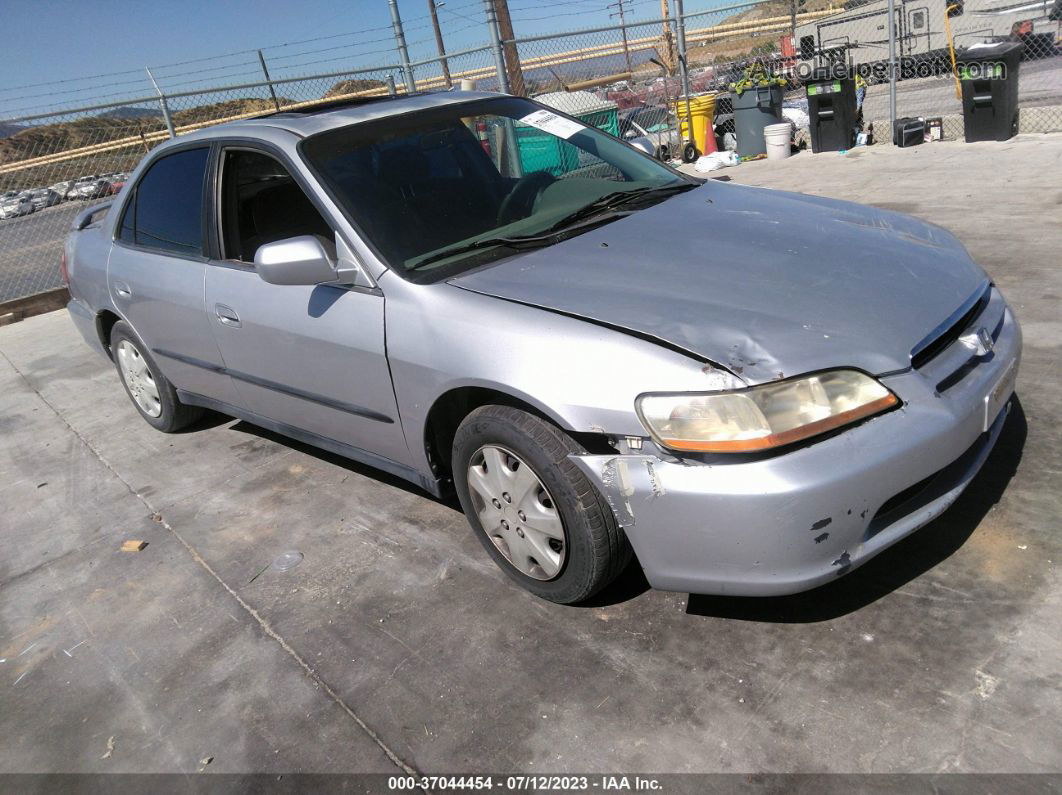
{"x":702,"y":109}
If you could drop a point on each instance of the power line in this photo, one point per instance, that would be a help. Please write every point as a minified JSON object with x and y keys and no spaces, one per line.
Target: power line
{"x":351,"y":51}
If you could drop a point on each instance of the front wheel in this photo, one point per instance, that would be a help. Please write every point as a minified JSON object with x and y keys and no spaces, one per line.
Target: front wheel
{"x":536,"y":514}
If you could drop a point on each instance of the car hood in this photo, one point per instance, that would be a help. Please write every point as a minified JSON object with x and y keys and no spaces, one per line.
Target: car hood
{"x":766,"y":283}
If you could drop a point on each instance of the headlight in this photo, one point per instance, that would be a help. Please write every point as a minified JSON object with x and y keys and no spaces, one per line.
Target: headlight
{"x":762,"y":417}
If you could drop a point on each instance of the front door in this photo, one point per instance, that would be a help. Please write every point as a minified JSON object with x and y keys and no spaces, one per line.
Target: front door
{"x":312,"y":357}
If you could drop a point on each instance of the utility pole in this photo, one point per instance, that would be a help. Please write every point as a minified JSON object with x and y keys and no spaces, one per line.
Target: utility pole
{"x":512,"y":57}
{"x":621,"y":6}
{"x":433,"y":8}
{"x":400,"y":42}
{"x":669,"y":43}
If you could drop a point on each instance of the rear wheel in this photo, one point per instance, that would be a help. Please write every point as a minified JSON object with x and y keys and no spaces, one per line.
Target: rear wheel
{"x":537,"y":515}
{"x":153,"y":395}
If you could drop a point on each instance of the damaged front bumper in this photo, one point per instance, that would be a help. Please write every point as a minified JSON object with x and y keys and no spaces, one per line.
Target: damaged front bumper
{"x":790,"y":522}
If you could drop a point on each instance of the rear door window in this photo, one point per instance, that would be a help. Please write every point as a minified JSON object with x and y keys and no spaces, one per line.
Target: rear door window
{"x":165,"y":211}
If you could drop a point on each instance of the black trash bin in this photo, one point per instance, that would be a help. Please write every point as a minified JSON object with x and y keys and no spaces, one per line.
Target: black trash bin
{"x":989,"y":77}
{"x":831,"y":111}
{"x":754,"y":109}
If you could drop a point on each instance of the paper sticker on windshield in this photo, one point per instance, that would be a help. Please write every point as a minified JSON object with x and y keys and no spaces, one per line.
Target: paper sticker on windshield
{"x":552,"y":123}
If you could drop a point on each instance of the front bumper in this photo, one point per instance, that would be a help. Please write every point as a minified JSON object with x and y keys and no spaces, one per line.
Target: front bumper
{"x":790,"y":522}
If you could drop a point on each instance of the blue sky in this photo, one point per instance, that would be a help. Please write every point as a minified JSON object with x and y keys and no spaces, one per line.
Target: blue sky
{"x":66,"y":53}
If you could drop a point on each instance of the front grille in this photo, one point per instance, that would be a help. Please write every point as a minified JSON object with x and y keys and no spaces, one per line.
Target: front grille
{"x":938,"y":340}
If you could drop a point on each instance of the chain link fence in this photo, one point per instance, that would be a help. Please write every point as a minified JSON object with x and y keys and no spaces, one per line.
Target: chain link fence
{"x":626,"y":78}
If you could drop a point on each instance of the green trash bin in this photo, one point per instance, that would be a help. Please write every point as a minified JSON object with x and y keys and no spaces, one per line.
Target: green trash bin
{"x":540,"y":151}
{"x":754,"y":109}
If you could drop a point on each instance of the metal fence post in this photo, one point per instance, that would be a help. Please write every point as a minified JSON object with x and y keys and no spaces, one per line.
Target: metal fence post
{"x":391,"y":86}
{"x":683,"y":71}
{"x":892,"y":69}
{"x":162,"y":104}
{"x":496,"y":47}
{"x":512,"y":55}
{"x":265,"y":71}
{"x":400,"y":42}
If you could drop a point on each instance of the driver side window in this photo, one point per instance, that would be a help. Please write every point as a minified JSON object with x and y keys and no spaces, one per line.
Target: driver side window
{"x":261,"y":203}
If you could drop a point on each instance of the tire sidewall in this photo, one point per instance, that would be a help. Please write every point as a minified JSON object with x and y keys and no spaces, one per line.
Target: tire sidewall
{"x":167,"y":395}
{"x":484,"y":429}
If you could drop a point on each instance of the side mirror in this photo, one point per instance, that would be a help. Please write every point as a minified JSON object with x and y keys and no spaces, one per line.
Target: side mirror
{"x":296,"y":260}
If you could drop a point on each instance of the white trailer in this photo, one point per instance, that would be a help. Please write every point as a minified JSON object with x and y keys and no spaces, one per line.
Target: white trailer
{"x":858,"y":35}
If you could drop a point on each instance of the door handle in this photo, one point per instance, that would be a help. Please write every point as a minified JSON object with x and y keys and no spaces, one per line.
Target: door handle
{"x":122,"y":289}
{"x":227,"y":315}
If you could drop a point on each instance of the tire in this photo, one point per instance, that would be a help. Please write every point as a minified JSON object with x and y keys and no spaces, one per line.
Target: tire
{"x":689,"y":153}
{"x":593,"y":549}
{"x":149,"y":391}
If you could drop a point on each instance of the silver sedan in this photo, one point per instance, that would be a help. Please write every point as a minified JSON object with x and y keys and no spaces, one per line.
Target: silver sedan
{"x":747,"y":391}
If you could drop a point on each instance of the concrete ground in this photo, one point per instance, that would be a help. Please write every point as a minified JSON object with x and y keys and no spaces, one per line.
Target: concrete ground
{"x":396,"y":642}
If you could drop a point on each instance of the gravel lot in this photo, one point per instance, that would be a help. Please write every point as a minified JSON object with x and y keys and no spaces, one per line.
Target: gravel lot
{"x":396,"y":643}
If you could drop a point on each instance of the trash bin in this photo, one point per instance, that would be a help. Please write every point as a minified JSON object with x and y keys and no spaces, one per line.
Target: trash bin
{"x":541,"y":151}
{"x":754,"y":109}
{"x":702,"y":109}
{"x":989,"y":77}
{"x":831,"y":112}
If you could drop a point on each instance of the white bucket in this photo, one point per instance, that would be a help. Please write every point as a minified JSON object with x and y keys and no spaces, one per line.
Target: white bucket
{"x":777,"y":137}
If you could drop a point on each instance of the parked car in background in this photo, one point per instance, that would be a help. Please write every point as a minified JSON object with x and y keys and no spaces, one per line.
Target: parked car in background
{"x":44,"y":197}
{"x":73,"y":192}
{"x":62,"y":188}
{"x":12,"y":206}
{"x":92,"y":189}
{"x":652,"y":129}
{"x":752,"y":391}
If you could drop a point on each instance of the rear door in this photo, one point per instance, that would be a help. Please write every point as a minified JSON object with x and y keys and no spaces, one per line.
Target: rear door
{"x":312,"y":357}
{"x":157,"y":269}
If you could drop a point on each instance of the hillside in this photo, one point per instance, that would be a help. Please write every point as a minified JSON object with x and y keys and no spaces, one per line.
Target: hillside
{"x":21,"y":143}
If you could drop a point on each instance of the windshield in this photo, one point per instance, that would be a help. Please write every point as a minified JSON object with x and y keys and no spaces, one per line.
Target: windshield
{"x":471,"y":177}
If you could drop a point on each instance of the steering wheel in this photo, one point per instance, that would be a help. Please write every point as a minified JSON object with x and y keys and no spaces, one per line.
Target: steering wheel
{"x":521,"y":199}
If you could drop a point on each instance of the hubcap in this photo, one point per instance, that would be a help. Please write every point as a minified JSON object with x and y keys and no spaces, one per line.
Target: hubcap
{"x":517,"y":512}
{"x":138,"y":379}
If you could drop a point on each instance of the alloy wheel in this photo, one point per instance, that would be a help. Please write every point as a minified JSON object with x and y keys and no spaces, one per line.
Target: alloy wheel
{"x":138,"y":379}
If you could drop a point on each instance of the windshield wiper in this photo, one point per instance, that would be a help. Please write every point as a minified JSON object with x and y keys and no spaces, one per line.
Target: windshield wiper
{"x":605,"y":208}
{"x":613,"y":201}
{"x":487,"y":242}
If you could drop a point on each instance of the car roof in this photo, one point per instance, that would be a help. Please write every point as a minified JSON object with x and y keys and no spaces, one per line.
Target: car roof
{"x":317,"y":118}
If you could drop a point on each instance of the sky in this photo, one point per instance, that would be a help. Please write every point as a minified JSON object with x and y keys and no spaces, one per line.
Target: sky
{"x":62,"y":53}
